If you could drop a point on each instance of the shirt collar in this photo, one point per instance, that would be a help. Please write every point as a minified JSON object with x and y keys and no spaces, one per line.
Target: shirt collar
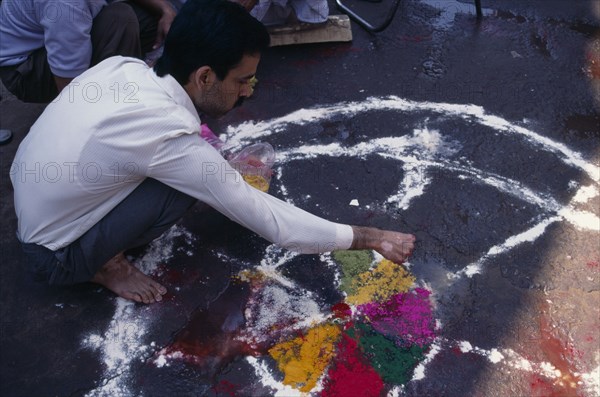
{"x":175,"y":91}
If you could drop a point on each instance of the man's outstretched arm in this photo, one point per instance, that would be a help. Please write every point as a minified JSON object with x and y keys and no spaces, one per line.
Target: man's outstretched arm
{"x":395,"y":246}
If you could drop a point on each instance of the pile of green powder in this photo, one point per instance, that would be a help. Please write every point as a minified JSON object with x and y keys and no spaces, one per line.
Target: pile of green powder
{"x":352,"y":263}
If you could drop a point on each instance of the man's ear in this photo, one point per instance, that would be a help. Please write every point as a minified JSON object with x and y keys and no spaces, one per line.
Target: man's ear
{"x":203,"y":76}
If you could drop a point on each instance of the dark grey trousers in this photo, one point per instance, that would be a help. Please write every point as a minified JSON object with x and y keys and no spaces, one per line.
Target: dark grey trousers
{"x":144,"y":215}
{"x":118,"y":29}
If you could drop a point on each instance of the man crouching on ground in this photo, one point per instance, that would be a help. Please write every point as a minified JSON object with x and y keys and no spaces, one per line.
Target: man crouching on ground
{"x":116,"y":160}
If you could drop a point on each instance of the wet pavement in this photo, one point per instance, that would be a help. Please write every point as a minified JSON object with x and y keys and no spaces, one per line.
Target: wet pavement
{"x":482,"y":139}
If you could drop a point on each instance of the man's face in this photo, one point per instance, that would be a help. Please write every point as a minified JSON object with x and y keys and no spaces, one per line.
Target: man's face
{"x":219,"y":97}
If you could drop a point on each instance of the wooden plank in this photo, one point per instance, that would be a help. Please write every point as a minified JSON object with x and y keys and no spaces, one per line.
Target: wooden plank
{"x":336,"y":28}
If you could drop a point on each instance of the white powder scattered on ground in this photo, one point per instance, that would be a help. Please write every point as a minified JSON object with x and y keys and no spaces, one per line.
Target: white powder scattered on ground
{"x":250,"y":131}
{"x":591,"y":381}
{"x":517,"y":361}
{"x":585,"y":194}
{"x":267,"y":379}
{"x":402,"y":148}
{"x":436,"y":347}
{"x":329,"y":262}
{"x":425,"y":143}
{"x":497,"y":356}
{"x":465,"y":346}
{"x":161,"y":361}
{"x":274,"y":258}
{"x":549,"y":371}
{"x":120,"y":346}
{"x":413,"y":185}
{"x":275,"y":310}
{"x":123,"y":342}
{"x":529,"y":235}
{"x":582,"y":220}
{"x":161,"y":249}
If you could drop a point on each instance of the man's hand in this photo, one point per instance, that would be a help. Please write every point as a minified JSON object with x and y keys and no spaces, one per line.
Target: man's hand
{"x":166,"y":14}
{"x":394,"y":246}
{"x":247,"y":4}
{"x":61,"y":82}
{"x":164,"y":24}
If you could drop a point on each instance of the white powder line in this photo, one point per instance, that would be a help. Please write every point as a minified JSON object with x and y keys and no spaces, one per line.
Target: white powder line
{"x":582,"y":220}
{"x":501,"y":183}
{"x":529,"y":235}
{"x":250,"y":131}
{"x":122,"y":343}
{"x":275,"y":257}
{"x":276,"y":276}
{"x":591,"y":380}
{"x":282,"y":188}
{"x":585,"y":194}
{"x":395,"y":391}
{"x":337,"y":275}
{"x":414,"y":185}
{"x":507,"y":357}
{"x":120,"y":354}
{"x":416,"y":179}
{"x":427,"y":143}
{"x":266,"y":378}
{"x":120,"y":346}
{"x":436,"y":347}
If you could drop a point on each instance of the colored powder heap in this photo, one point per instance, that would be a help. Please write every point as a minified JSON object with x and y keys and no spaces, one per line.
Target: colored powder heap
{"x":304,"y":359}
{"x":257,"y":182}
{"x":405,"y":317}
{"x":394,"y":364}
{"x":341,"y":310}
{"x":350,"y":375}
{"x":352,"y":263}
{"x":274,"y":312}
{"x":378,"y":284}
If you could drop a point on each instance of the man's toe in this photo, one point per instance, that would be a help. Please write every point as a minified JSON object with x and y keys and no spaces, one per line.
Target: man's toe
{"x":157,"y":288}
{"x":132,"y":296}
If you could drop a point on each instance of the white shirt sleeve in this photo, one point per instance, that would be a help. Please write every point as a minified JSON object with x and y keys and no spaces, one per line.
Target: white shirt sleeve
{"x":67,"y":26}
{"x":190,"y":165}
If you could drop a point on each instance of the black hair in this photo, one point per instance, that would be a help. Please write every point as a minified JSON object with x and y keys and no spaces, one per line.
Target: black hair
{"x":215,"y":33}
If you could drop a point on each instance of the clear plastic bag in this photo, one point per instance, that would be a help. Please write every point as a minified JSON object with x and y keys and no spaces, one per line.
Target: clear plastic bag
{"x":254,"y":162}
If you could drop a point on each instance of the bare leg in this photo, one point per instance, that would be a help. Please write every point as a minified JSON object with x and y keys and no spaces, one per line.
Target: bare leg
{"x":122,"y":278}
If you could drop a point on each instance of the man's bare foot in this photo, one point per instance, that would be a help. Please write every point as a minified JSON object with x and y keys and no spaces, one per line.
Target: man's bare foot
{"x":122,"y":278}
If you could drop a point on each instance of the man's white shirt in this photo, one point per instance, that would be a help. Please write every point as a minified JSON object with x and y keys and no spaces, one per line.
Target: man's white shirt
{"x":119,"y":123}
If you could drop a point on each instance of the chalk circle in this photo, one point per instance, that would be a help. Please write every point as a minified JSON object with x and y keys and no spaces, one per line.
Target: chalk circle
{"x":127,"y":349}
{"x":424,"y":151}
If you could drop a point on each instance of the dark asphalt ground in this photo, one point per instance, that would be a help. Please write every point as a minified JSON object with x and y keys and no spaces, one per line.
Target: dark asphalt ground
{"x":535,"y":64}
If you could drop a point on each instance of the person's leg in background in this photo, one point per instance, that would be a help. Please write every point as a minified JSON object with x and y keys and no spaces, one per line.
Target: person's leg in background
{"x":123,"y":28}
{"x":147,"y":25}
{"x":115,"y":31}
{"x":32,"y":80}
{"x":97,"y":255}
